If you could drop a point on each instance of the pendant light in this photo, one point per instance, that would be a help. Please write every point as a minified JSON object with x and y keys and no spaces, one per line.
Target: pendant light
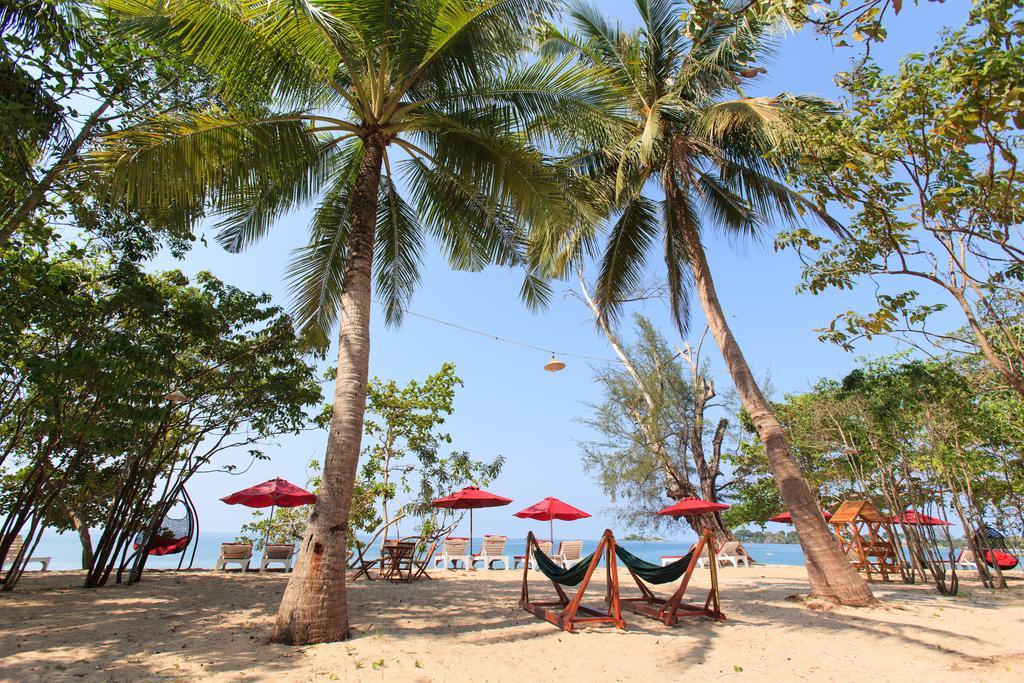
{"x":554,"y":365}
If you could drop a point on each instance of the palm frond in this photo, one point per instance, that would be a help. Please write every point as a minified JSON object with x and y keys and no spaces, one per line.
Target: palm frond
{"x":258,"y":51}
{"x":188,"y":164}
{"x":398,"y":251}
{"x":316,"y":273}
{"x":625,"y":256}
{"x":678,"y":275}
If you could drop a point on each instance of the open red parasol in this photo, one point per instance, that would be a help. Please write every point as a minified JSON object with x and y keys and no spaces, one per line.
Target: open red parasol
{"x":273,"y":493}
{"x":915,"y":518}
{"x":692,"y":506}
{"x":470,"y":498}
{"x":551,"y":509}
{"x":786,"y":518}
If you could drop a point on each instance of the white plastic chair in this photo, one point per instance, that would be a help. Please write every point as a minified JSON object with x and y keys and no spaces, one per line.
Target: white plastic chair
{"x":545,"y":547}
{"x":493,"y":551}
{"x":19,"y":543}
{"x":569,"y":553}
{"x":278,"y":553}
{"x":734,"y":553}
{"x":234,"y":553}
{"x":453,"y":550}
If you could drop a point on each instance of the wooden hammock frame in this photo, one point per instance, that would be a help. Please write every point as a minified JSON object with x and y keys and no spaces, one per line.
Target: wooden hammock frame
{"x":877,"y":552}
{"x":669,"y":610}
{"x":565,"y":615}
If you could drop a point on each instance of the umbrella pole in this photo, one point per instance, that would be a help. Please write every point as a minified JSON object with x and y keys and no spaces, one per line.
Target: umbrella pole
{"x":270,"y":523}
{"x":472,"y":564}
{"x":551,"y":531}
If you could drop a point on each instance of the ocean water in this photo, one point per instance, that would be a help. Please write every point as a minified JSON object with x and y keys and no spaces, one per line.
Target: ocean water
{"x":67,"y":552}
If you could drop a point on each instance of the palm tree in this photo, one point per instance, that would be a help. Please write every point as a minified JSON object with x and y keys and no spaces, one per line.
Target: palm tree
{"x":343,"y":101}
{"x":685,"y":128}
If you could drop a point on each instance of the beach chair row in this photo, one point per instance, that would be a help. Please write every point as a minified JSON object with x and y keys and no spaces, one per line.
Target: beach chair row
{"x":455,"y":552}
{"x":732,"y":553}
{"x":240,"y":554}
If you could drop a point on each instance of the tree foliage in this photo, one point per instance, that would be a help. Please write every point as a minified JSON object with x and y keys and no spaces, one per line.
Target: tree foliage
{"x":89,"y":350}
{"x":926,"y":160}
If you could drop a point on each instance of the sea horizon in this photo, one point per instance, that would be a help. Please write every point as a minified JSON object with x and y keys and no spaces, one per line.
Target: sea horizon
{"x":65,"y":550}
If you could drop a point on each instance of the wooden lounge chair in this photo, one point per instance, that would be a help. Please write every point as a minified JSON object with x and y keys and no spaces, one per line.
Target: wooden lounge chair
{"x":278,"y":553}
{"x":545,"y":547}
{"x":234,"y":553}
{"x":421,"y":561}
{"x":563,"y":612}
{"x":669,"y":610}
{"x":493,"y":551}
{"x":734,"y":553}
{"x":15,"y":549}
{"x":452,"y":551}
{"x":569,"y":553}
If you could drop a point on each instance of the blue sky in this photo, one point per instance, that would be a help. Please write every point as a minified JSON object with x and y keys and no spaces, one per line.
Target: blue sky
{"x":509,"y":404}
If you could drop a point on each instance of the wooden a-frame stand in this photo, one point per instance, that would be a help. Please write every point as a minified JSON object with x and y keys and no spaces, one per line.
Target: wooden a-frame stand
{"x":876,"y":553}
{"x":565,"y":616}
{"x":670,"y":610}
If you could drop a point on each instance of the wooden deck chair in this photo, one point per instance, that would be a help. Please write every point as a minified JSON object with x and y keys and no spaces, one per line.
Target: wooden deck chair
{"x":564,"y":616}
{"x":671,"y":609}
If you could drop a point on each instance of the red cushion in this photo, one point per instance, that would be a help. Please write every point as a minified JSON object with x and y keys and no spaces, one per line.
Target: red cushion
{"x":1004,"y":560}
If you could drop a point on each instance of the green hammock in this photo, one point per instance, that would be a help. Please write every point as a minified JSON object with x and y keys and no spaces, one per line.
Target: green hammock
{"x":567,"y":577}
{"x":652,"y":573}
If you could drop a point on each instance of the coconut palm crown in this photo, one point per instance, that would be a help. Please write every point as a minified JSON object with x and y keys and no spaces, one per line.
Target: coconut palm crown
{"x":683,"y":129}
{"x":305,"y":85}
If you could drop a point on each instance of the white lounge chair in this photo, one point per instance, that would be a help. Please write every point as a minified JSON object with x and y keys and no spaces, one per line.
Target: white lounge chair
{"x":278,"y":553}
{"x":234,"y":553}
{"x":545,"y":547}
{"x":493,"y":551}
{"x":19,"y":543}
{"x":569,"y":553}
{"x":733,"y":553}
{"x":452,"y":551}
{"x":966,"y":560}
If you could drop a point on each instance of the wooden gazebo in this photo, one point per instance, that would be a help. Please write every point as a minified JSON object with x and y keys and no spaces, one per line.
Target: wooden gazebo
{"x":867,"y":538}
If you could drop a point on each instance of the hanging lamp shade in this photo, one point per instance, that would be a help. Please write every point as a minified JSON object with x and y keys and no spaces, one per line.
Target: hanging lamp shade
{"x":554,"y":365}
{"x":176,"y":397}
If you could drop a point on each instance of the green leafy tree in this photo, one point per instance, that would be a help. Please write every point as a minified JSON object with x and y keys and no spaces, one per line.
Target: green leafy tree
{"x":336,"y":100}
{"x":655,"y":447}
{"x":685,"y":127}
{"x":927,"y":162}
{"x":67,"y":81}
{"x":90,"y":349}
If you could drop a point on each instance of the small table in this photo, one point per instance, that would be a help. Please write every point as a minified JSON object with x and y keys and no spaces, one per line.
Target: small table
{"x":397,"y":561}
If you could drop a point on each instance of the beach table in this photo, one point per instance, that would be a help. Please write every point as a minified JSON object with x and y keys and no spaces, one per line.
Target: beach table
{"x":397,"y":561}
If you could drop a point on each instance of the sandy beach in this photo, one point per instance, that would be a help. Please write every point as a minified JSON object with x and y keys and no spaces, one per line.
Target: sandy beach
{"x":460,"y":626}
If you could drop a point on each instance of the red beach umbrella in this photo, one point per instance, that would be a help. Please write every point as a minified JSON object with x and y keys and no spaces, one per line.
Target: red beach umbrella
{"x":916,"y":518}
{"x":692,"y":506}
{"x":470,"y":498}
{"x":273,"y":493}
{"x":551,"y":509}
{"x":786,"y":518}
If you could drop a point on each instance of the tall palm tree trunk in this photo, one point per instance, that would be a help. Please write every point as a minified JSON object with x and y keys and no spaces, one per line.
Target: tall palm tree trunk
{"x":314,"y":608}
{"x":828,"y":572}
